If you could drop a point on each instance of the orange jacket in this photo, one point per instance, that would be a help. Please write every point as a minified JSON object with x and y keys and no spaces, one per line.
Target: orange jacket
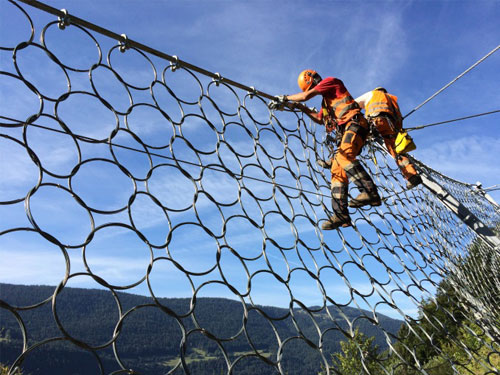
{"x":342,"y":109}
{"x":382,"y":102}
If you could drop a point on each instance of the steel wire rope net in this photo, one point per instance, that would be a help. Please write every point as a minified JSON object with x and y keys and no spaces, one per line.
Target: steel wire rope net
{"x":193,"y":188}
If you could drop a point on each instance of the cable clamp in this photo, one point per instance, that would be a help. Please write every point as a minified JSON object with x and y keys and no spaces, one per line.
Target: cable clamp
{"x":124,"y":45}
{"x":217,"y":79}
{"x":252,"y":92}
{"x":64,"y":20}
{"x":174,"y":64}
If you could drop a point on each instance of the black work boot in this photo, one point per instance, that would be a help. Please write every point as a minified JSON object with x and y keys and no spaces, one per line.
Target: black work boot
{"x":363,"y":181}
{"x":337,"y":221}
{"x":340,"y":216}
{"x":365,"y":184}
{"x":366,"y":199}
{"x":413,"y":181}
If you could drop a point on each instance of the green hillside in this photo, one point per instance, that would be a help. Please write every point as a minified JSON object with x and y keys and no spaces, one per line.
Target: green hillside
{"x":150,"y":338}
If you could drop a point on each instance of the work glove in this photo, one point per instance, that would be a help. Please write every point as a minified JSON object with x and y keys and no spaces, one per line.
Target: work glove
{"x":330,"y":140}
{"x":278,"y":103}
{"x":327,"y":164}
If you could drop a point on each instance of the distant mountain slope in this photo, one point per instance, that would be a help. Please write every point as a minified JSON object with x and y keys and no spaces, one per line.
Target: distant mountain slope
{"x":150,"y":337}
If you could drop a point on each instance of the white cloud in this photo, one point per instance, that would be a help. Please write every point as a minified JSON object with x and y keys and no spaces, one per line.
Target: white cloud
{"x":19,"y":173}
{"x":31,"y":267}
{"x":468,"y":159}
{"x":387,"y":49}
{"x":120,"y":270}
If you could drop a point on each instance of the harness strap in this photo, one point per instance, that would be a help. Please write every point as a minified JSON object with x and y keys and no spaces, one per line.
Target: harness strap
{"x":358,"y":129}
{"x":390,"y":121}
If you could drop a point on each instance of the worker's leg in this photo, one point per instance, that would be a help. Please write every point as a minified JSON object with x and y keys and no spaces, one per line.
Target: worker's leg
{"x":339,"y":186}
{"x":352,"y":142}
{"x":388,"y":133}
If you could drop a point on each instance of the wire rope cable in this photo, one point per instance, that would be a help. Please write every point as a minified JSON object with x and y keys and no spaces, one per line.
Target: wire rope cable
{"x":492,"y":188}
{"x":454,"y":80}
{"x":453,"y":120}
{"x":214,"y":168}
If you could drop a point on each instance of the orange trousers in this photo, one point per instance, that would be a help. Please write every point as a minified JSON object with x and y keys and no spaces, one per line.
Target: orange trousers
{"x":386,"y":129}
{"x":344,"y":164}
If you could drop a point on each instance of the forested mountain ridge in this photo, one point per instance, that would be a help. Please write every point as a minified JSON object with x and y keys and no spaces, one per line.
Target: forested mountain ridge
{"x":149,"y":336}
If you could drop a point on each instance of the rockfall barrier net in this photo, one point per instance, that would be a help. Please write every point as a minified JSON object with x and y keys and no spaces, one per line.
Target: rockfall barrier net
{"x":128,"y":170}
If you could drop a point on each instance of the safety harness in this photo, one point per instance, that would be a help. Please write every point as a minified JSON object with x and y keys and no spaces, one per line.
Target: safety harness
{"x":381,"y":105}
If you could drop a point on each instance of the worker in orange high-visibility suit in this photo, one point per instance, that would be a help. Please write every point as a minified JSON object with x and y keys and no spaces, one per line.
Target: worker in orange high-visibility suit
{"x":382,"y":111}
{"x":339,"y":111}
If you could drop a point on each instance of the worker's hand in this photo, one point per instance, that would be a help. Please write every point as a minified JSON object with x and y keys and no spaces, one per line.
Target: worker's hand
{"x":278,"y":103}
{"x":329,"y":139}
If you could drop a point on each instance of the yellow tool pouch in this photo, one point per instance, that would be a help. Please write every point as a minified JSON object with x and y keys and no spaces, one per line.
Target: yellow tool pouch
{"x":404,"y":143}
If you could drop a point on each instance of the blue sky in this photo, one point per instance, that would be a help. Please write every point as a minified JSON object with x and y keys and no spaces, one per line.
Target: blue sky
{"x":411,"y":48}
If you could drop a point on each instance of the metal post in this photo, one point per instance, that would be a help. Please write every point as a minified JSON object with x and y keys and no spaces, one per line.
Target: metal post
{"x":460,"y":210}
{"x":483,"y":192}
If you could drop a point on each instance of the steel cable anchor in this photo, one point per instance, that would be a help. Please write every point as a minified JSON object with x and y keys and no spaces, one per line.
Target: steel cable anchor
{"x":64,"y":21}
{"x":217,"y":79}
{"x":252,"y":92}
{"x":174,"y":64}
{"x":124,"y":45}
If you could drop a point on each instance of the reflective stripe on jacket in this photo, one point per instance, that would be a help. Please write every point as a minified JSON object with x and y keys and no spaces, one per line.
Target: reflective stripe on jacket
{"x":343,"y":108}
{"x":382,"y":103}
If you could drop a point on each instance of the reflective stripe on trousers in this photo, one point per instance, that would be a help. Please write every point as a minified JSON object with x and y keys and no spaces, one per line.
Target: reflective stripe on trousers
{"x":345,"y":165}
{"x":339,"y":198}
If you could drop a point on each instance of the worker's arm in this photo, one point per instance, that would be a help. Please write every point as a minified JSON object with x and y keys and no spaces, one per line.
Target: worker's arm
{"x":364,"y":99}
{"x":303,"y":96}
{"x":313,"y":115}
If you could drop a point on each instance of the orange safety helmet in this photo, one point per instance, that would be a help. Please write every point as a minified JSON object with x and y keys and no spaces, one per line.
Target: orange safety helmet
{"x":307,"y":78}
